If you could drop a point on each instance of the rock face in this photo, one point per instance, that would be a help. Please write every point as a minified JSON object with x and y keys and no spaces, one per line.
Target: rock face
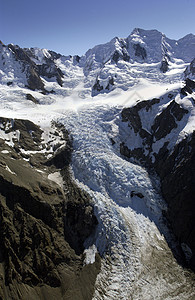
{"x":188,"y":88}
{"x":144,"y":53}
{"x":29,"y":67}
{"x":50,"y":70}
{"x":33,"y":69}
{"x":164,"y":66}
{"x":140,"y":51}
{"x":105,"y":87}
{"x":190,"y":70}
{"x":153,"y":143}
{"x":165,"y":122}
{"x":176,"y":171}
{"x":43,"y":223}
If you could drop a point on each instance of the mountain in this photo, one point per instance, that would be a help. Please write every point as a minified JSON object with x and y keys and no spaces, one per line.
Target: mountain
{"x":118,"y":64}
{"x":97,"y":170}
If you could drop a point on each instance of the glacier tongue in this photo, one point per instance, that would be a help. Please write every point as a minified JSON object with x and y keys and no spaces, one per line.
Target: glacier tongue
{"x":137,"y":262}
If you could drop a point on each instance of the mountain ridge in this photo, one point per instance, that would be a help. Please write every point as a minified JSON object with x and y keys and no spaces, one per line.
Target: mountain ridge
{"x":100,"y":149}
{"x":96,"y":67}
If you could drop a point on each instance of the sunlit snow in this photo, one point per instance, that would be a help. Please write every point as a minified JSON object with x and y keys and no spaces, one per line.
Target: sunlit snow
{"x":131,"y":236}
{"x":130,"y":233}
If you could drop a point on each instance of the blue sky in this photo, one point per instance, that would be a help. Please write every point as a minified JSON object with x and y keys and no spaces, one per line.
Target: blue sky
{"x":72,"y":27}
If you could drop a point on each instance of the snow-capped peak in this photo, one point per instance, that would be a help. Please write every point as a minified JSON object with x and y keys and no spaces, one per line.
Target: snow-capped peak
{"x":38,"y":55}
{"x":120,"y":63}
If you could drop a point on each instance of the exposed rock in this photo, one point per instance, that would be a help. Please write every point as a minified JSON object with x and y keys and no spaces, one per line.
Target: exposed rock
{"x":50,"y":70}
{"x":166,"y":121}
{"x":54,"y":55}
{"x":20,"y":54}
{"x":124,"y":55}
{"x":31,"y":98}
{"x":1,"y":43}
{"x":112,"y":141}
{"x":137,"y":194}
{"x":100,"y":88}
{"x":116,"y":56}
{"x":97,"y":86}
{"x":30,"y":135}
{"x":189,"y":87}
{"x":79,"y":219}
{"x":33,"y":71}
{"x":164,"y":66}
{"x":140,"y":51}
{"x":131,"y":115}
{"x":190,"y":70}
{"x":175,"y":168}
{"x":33,"y":79}
{"x":42,"y":226}
{"x":77,"y":58}
{"x":176,"y":171}
{"x":110,"y":83}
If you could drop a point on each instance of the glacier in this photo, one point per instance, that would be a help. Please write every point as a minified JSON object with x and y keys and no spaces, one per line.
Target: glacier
{"x":132,"y":235}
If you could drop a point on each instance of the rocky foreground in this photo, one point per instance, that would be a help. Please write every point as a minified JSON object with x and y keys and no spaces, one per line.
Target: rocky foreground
{"x":44,"y":221}
{"x":119,"y":222}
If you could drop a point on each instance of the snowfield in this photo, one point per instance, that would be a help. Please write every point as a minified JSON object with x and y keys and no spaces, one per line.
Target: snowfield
{"x":131,"y":236}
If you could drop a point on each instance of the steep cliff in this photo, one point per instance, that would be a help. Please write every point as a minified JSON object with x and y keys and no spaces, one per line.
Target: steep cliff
{"x":160,"y":136}
{"x":45,"y":217}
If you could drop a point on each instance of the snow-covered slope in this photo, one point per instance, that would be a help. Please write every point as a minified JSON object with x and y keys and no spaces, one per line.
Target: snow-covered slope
{"x":129,"y":107}
{"x":119,"y":63}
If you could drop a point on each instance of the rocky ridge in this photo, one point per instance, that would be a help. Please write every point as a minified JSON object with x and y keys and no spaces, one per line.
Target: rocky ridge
{"x":117,"y":64}
{"x":45,"y":217}
{"x":162,"y":146}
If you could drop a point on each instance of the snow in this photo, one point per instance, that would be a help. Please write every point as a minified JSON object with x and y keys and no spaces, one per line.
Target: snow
{"x":90,"y":255}
{"x":5,"y":151}
{"x":131,"y":235}
{"x":127,"y":225}
{"x":39,"y":55}
{"x":10,"y":137}
{"x":57,"y":178}
{"x":130,"y":227}
{"x":9,"y":170}
{"x":11,"y":70}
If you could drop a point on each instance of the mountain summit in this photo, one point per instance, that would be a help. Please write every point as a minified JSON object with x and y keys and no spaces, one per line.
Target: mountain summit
{"x":97,"y":160}
{"x":117,"y":64}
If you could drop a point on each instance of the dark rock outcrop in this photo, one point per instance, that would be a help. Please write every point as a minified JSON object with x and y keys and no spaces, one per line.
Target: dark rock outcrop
{"x":189,"y":87}
{"x":31,"y":98}
{"x":166,"y":121}
{"x":140,"y":51}
{"x":164,"y":66}
{"x":124,"y":56}
{"x":33,"y":79}
{"x":116,"y":56}
{"x":33,"y":70}
{"x":29,"y":133}
{"x":175,"y":167}
{"x":42,"y":225}
{"x":97,"y":87}
{"x":131,"y":115}
{"x":190,"y":70}
{"x":123,"y":53}
{"x":50,"y":70}
{"x":177,"y":174}
{"x":110,"y":83}
{"x":77,"y":58}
